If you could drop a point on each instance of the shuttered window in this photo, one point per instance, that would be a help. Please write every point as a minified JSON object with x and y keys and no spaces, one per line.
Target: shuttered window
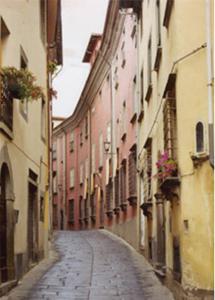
{"x":116,"y":185}
{"x":109,"y":195}
{"x":71,"y":211}
{"x":169,"y":120}
{"x":147,"y":171}
{"x":72,"y":178}
{"x":132,"y":176}
{"x":123,"y":183}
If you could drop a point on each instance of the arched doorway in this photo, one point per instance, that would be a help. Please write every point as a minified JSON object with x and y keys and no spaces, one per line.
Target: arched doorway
{"x":6,"y":226}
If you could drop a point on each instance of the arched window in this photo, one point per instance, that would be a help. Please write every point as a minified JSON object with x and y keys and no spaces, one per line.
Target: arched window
{"x":199,"y":137}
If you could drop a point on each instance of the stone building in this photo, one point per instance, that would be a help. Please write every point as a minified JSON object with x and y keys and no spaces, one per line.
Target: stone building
{"x":95,"y":149}
{"x":30,"y":36}
{"x":176,"y":232}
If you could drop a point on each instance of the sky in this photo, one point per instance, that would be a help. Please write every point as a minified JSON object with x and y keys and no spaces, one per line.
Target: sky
{"x":80,"y":18}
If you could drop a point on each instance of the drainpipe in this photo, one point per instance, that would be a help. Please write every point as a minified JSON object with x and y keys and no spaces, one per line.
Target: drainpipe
{"x":113,"y":148}
{"x":210,"y":83}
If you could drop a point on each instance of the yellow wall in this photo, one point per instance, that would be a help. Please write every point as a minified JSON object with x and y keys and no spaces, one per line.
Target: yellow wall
{"x":26,"y":149}
{"x":186,"y":33}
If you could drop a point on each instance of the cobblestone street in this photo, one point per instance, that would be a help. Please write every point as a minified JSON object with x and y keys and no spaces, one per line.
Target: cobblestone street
{"x":94,"y":265}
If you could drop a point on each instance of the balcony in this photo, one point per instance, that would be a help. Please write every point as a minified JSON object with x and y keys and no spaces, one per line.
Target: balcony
{"x":147,"y":209}
{"x":6,"y":113}
{"x":168,"y":187}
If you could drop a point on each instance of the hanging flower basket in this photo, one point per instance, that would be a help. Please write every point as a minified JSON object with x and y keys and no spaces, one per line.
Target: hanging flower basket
{"x":20,"y":84}
{"x":166,"y":166}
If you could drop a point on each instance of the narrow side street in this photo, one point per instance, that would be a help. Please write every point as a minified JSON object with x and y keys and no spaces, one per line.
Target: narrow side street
{"x":95,"y":265}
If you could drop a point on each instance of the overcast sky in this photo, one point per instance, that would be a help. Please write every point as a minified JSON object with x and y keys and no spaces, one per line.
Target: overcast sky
{"x":80,"y":18}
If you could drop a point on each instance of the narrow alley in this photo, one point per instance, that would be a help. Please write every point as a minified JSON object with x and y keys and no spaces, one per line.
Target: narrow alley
{"x":94,"y":265}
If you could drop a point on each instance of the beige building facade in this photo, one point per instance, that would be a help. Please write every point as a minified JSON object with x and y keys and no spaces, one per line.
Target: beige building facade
{"x":176,"y":222}
{"x":25,"y":138}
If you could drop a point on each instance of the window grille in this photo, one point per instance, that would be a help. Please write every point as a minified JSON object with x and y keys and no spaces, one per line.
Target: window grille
{"x":147,"y":172}
{"x":169,"y":121}
{"x":199,"y":137}
{"x":132,"y":177}
{"x":109,"y":194}
{"x":116,"y":185}
{"x":123,"y":183}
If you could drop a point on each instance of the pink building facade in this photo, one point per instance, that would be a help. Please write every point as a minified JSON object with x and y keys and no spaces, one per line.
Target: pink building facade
{"x":94,"y":165}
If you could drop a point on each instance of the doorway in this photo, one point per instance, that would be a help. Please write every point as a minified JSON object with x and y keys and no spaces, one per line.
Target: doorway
{"x":6,"y":226}
{"x":32,"y":224}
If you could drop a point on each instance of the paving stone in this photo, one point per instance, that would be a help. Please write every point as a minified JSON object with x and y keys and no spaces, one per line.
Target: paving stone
{"x":92,"y":265}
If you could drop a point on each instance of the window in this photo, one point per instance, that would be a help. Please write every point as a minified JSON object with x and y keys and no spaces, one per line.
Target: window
{"x":167,"y":14}
{"x":123,"y":122}
{"x":86,"y":168}
{"x":132,"y":176}
{"x":81,"y":138}
{"x":116,"y":78}
{"x":147,"y":171}
{"x":81,"y":208}
{"x":149,"y":71}
{"x":123,"y":183}
{"x":23,"y":65}
{"x":199,"y":137}
{"x":123,"y":55}
{"x":71,"y":143}
{"x":109,"y":195}
{"x":134,"y":99}
{"x":81,"y":174}
{"x":42,"y":209}
{"x":101,"y":150}
{"x":43,"y":20}
{"x":72,"y":178}
{"x":141,"y":86}
{"x":169,"y":121}
{"x":158,"y":38}
{"x":43,"y":119}
{"x":93,"y":158}
{"x":86,"y":127}
{"x":71,"y":211}
{"x":109,"y":132}
{"x":158,"y":22}
{"x":54,"y":182}
{"x":54,"y":151}
{"x":116,"y":185}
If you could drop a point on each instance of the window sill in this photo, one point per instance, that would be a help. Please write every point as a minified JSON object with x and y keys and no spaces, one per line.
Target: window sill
{"x":199,"y":158}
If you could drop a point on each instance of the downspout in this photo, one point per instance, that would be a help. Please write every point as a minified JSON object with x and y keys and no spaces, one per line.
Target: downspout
{"x":112,"y":133}
{"x":209,"y":84}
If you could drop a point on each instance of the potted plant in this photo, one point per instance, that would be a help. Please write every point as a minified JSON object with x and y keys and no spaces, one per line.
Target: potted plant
{"x":20,"y":84}
{"x":166,"y":166}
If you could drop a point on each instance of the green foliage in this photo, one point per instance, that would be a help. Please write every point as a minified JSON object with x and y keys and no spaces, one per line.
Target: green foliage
{"x":20,"y":84}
